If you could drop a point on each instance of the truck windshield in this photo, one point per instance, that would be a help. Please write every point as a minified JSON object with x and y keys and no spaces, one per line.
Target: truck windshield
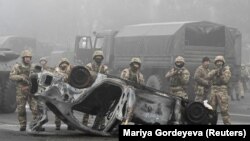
{"x":99,"y":42}
{"x":84,"y":43}
{"x":205,"y":36}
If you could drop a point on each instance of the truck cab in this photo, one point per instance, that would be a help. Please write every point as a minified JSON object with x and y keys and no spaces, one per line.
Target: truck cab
{"x":86,"y":45}
{"x":83,"y":50}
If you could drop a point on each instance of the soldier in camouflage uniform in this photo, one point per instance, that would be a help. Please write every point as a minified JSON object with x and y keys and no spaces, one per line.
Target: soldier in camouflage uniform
{"x":220,"y":77}
{"x":202,"y":84}
{"x":239,"y":86}
{"x":97,"y":67}
{"x":63,"y":69}
{"x":43,"y":62}
{"x":243,"y":80}
{"x":179,"y":78}
{"x":20,"y":73}
{"x":133,"y":72}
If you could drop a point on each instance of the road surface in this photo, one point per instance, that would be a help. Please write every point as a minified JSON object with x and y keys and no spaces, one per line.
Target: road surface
{"x":9,"y":129}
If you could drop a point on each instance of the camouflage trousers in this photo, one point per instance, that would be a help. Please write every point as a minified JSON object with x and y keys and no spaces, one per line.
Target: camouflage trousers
{"x":179,"y":91}
{"x":219,"y":97}
{"x":41,"y":109}
{"x":241,"y":89}
{"x":200,"y":93}
{"x":57,"y":121}
{"x":235,"y":87}
{"x":22,"y":97}
{"x":85,"y":119}
{"x":98,"y":123}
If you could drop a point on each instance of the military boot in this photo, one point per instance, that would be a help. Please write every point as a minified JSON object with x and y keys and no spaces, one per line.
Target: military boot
{"x":22,"y":128}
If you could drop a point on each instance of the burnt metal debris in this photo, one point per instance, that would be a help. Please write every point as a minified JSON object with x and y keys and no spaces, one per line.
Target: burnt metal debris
{"x":115,"y":100}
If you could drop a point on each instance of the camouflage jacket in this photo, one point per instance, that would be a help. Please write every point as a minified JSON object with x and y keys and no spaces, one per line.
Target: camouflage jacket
{"x":220,"y":76}
{"x":97,"y":68}
{"x":21,"y":73}
{"x":178,"y":77}
{"x":201,"y":76}
{"x":137,"y":77}
{"x":64,"y":73}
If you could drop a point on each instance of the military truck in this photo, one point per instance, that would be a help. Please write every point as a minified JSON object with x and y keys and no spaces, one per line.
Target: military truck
{"x":19,"y":43}
{"x":10,"y":48}
{"x":158,"y":44}
{"x":7,"y":87}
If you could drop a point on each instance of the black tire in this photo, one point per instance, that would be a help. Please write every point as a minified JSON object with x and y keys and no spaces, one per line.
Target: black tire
{"x":8,"y":102}
{"x":196,"y":113}
{"x":155,"y":81}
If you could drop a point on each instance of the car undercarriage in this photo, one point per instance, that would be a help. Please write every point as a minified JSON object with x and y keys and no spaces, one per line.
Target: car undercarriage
{"x":113,"y":101}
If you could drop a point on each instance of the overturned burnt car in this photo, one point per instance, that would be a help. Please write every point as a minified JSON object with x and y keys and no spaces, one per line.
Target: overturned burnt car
{"x":114,"y":100}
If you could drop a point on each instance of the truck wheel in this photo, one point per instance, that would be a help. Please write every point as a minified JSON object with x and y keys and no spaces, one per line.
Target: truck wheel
{"x":196,"y":113}
{"x":8,"y":104}
{"x":154,"y":81}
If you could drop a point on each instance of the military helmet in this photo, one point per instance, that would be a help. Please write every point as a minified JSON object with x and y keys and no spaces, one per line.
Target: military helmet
{"x":43,"y":59}
{"x":26,"y":53}
{"x":98,"y":53}
{"x":135,"y":60}
{"x":64,"y":60}
{"x":179,"y":59}
{"x":219,"y":58}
